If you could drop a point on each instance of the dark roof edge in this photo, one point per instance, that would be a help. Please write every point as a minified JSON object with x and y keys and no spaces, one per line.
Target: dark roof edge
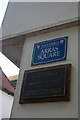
{"x":7,"y":91}
{"x":5,"y":75}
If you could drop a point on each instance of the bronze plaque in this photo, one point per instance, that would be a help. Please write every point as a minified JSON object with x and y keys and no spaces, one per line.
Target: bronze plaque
{"x":46,"y":84}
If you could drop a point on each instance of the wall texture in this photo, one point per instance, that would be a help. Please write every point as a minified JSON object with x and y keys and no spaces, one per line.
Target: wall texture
{"x":53,"y":109}
{"x":24,"y":17}
{"x":6,"y":102}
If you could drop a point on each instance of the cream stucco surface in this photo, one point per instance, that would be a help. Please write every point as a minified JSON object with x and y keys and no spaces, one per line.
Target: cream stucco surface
{"x":50,"y":109}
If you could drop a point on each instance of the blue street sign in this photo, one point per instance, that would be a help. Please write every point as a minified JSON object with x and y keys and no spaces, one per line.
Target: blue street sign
{"x":50,"y":51}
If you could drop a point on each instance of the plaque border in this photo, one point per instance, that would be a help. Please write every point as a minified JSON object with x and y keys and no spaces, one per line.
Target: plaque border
{"x":66,"y":97}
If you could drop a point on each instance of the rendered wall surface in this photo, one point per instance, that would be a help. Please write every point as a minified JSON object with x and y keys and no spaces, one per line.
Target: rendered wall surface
{"x":50,"y":109}
{"x":5,"y":104}
{"x":24,"y":17}
{"x":0,"y":104}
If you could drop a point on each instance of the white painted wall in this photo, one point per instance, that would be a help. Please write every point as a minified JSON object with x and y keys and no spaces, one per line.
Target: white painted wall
{"x":50,"y":109}
{"x":6,"y":102}
{"x":24,"y":17}
{"x":0,"y":104}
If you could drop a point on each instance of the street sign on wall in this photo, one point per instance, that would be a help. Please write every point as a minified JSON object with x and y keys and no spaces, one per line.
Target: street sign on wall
{"x":50,"y":51}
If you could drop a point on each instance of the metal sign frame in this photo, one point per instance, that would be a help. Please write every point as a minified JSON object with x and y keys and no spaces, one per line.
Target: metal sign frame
{"x":27,"y":92}
{"x":50,"y":51}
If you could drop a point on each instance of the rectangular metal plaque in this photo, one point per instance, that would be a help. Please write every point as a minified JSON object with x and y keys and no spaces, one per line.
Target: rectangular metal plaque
{"x":46,"y":84}
{"x":50,"y":51}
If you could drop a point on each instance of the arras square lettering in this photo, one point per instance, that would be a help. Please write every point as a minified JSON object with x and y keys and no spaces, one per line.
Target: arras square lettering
{"x":50,"y":51}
